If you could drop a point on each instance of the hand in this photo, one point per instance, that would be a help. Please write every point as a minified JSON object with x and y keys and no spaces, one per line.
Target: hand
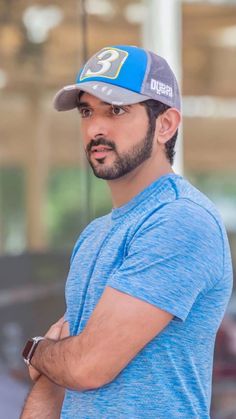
{"x":65,"y":332}
{"x":57,"y":331}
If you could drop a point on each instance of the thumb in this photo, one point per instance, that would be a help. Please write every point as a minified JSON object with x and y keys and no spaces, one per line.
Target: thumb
{"x":55,"y":330}
{"x":65,"y":332}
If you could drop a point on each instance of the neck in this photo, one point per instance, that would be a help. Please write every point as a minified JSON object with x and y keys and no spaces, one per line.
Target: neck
{"x":130,"y":185}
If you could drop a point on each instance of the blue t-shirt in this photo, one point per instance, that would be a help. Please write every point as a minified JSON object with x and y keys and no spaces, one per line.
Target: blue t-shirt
{"x":168,"y":247}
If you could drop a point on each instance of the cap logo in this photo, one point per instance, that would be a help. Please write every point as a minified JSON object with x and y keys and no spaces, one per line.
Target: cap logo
{"x":161,"y":88}
{"x":106,"y":63}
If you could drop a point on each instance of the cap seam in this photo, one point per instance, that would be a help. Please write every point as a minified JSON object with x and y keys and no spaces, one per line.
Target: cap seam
{"x":148,"y":67}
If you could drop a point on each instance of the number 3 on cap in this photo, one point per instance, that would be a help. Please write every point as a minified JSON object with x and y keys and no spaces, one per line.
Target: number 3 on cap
{"x":107,"y":63}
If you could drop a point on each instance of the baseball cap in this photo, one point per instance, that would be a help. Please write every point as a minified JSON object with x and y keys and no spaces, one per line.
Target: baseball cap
{"x":123,"y":75}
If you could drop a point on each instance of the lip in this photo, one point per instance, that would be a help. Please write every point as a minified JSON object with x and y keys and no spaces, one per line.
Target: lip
{"x":100,"y":151}
{"x":101,"y":148}
{"x":101,"y":154}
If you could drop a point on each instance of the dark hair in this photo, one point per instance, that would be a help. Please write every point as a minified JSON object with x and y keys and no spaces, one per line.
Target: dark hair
{"x":154,"y":109}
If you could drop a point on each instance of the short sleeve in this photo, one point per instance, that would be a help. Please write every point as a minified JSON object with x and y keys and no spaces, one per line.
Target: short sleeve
{"x":175,"y":255}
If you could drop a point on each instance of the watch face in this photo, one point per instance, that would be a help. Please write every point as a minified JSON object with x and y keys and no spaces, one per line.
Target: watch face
{"x":27,"y":348}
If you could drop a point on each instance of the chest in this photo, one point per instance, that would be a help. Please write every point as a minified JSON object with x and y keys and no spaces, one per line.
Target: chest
{"x":96,"y":259}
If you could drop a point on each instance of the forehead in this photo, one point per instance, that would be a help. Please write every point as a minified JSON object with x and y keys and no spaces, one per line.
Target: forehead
{"x":85,"y":97}
{"x":93,"y":101}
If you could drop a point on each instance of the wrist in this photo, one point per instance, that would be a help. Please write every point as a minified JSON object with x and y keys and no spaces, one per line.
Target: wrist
{"x":30,"y":348}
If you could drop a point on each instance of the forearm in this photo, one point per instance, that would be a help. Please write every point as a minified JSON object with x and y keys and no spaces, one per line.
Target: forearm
{"x":44,"y":400}
{"x":62,"y":362}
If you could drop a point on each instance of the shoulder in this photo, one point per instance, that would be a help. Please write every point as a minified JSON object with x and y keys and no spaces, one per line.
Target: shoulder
{"x":182,"y":215}
{"x":182,"y":227}
{"x":191,"y":197}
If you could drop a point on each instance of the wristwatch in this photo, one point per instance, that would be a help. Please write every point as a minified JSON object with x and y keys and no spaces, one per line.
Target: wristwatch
{"x":30,"y":348}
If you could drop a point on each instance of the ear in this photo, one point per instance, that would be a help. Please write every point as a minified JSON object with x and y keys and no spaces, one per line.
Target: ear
{"x":167,"y":125}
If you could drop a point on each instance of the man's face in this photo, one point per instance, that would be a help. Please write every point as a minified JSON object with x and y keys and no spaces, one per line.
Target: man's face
{"x":117,"y":139}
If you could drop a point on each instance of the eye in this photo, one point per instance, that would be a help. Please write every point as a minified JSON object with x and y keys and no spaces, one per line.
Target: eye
{"x":117,"y":110}
{"x":85,"y":112}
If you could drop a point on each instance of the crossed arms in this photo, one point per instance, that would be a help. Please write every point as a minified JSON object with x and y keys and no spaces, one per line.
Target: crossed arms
{"x":120,"y":326}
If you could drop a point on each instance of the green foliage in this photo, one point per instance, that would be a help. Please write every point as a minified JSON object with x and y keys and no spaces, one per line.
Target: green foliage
{"x":66,"y":211}
{"x":12,"y":209}
{"x":216,"y":184}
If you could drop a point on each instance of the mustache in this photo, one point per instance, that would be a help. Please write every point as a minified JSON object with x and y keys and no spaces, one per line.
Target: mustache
{"x":100,"y":141}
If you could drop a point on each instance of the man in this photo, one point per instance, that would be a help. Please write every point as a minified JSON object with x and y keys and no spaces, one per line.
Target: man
{"x":149,"y":282}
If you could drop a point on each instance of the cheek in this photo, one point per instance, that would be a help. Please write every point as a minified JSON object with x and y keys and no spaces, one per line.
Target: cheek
{"x":84,"y":134}
{"x":135,"y":130}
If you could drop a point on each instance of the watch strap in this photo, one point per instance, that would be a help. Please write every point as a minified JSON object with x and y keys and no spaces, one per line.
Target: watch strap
{"x":30,"y":348}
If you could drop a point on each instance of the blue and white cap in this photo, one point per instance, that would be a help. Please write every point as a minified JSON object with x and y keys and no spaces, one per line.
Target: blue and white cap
{"x":123,"y":75}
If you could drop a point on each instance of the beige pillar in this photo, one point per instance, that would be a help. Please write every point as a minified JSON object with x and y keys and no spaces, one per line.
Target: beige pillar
{"x":162,"y":34}
{"x":36,"y":176}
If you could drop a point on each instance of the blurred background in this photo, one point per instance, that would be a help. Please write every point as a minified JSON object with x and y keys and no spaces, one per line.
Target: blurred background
{"x":47,"y":192}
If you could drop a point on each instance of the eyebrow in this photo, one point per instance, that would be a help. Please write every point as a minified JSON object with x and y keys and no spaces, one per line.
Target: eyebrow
{"x":86,"y":104}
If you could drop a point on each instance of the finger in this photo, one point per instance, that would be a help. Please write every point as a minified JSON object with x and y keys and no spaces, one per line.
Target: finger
{"x":55,"y":330}
{"x":53,"y":333}
{"x":65,"y":332}
{"x":33,"y":373}
{"x":60,"y":321}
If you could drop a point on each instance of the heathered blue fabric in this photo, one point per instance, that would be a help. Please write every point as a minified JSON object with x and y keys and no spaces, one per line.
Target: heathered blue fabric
{"x":168,"y":247}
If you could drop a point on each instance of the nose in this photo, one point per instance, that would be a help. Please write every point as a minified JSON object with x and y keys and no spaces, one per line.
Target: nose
{"x":98,"y":126}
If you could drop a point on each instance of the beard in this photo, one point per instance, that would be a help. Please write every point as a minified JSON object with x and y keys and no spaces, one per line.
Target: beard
{"x":124,"y":162}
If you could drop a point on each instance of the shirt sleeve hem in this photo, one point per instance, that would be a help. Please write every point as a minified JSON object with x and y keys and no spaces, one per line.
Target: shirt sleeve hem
{"x":160,"y":303}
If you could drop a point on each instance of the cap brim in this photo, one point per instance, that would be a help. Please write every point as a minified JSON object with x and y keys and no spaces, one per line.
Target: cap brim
{"x":67,"y":98}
